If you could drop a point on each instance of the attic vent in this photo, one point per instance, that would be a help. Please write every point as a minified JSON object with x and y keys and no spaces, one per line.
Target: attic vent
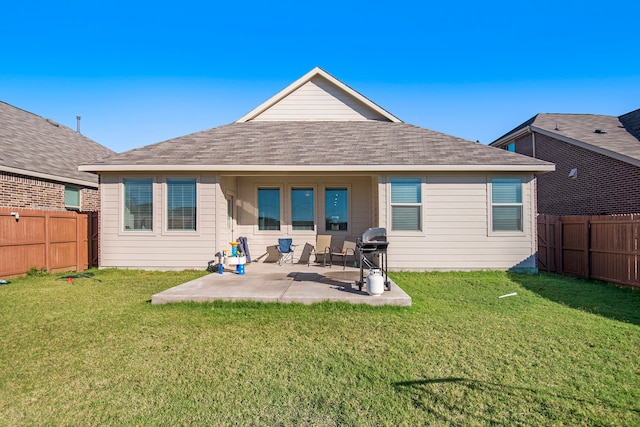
{"x":600,"y":131}
{"x":53,"y":122}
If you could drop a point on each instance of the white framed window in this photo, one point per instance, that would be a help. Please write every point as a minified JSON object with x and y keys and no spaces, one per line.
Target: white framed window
{"x":406,"y":204}
{"x":506,"y":205}
{"x":138,"y":204}
{"x":71,"y":197}
{"x":181,"y":204}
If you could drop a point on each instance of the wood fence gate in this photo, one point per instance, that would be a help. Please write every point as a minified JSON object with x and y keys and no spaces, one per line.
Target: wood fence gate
{"x":598,"y":247}
{"x":52,"y":240}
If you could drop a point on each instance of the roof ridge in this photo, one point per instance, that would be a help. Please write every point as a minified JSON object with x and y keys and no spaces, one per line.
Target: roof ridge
{"x":22,"y":109}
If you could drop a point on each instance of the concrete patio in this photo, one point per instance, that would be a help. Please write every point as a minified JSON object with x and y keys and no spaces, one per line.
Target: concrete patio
{"x":289,"y":283}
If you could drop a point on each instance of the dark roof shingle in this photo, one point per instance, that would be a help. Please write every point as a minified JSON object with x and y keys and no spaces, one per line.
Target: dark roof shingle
{"x":301,"y":143}
{"x":32,"y":143}
{"x":619,"y":135}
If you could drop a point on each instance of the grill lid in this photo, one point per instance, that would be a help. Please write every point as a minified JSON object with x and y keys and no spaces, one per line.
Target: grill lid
{"x":374,"y":235}
{"x":373,"y":240}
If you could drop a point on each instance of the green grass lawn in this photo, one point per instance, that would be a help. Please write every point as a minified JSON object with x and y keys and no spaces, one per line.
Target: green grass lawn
{"x":96,"y":352}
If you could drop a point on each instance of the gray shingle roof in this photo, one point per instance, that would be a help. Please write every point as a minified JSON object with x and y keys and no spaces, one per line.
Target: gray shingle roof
{"x":305,"y":143}
{"x":614,"y":134}
{"x":631,"y":122}
{"x":32,"y":143}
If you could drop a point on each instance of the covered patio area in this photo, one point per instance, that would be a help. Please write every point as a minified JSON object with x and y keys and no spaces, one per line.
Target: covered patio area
{"x":289,"y":283}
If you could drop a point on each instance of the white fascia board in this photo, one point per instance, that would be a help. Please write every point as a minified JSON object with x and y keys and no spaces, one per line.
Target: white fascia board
{"x":50,"y":177}
{"x":304,"y":79}
{"x":586,"y":146}
{"x":318,"y":168}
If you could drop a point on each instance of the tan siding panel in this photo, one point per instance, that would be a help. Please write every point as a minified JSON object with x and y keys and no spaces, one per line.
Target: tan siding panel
{"x":318,"y":100}
{"x":455,"y":229}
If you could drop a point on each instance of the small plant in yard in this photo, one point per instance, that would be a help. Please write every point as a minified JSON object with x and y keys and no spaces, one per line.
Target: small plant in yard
{"x":33,"y":271}
{"x":559,"y":352}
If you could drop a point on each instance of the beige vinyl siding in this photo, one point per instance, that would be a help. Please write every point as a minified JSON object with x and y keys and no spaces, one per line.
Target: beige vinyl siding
{"x":319,"y":100}
{"x":158,"y":248}
{"x":456,"y":228}
{"x":455,"y":234}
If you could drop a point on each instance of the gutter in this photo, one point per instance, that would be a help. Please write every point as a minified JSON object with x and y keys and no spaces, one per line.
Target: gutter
{"x":50,"y":176}
{"x":360,"y":169}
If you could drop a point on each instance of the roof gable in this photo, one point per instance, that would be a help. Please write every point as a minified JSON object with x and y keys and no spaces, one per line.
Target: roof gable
{"x":338,"y":130}
{"x":318,"y":96}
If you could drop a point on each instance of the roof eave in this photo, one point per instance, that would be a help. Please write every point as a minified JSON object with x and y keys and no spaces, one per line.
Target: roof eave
{"x":50,"y":177}
{"x":539,"y":168}
{"x":510,"y":137}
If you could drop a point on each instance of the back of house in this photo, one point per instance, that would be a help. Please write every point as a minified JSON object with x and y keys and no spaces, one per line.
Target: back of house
{"x":319,"y":158}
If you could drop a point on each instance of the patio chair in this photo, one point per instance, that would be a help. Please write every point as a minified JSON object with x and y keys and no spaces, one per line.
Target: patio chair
{"x":322,"y":248}
{"x":285,"y":249}
{"x":348,"y":249}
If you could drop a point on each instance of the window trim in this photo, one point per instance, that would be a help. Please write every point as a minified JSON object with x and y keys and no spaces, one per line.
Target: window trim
{"x":256,"y":217}
{"x":490,"y":205}
{"x":121,"y":213}
{"x":165,"y":207}
{"x":421,"y":205}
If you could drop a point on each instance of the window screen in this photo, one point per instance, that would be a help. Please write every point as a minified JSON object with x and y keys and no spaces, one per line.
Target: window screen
{"x":138,"y":204}
{"x":72,"y":197}
{"x":506,"y":204}
{"x":406,"y":204}
{"x":181,"y":204}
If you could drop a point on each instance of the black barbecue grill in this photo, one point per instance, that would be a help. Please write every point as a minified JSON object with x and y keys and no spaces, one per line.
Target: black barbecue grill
{"x":373,"y":243}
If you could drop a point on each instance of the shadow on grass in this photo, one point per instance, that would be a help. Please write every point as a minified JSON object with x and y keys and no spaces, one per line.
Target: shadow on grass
{"x":595,"y":297}
{"x":441,"y":397}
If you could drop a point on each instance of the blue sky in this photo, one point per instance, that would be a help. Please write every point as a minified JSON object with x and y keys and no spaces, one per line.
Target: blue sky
{"x":141,"y":72}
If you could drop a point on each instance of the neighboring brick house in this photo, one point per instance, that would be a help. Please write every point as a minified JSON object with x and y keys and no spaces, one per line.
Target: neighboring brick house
{"x":39,"y":161}
{"x":597,"y":161}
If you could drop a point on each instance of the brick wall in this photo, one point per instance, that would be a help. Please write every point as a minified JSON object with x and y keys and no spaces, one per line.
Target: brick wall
{"x":90,"y":199}
{"x":20,"y":191}
{"x":603,"y":185}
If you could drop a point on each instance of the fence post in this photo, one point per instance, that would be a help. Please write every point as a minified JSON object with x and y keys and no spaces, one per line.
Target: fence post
{"x":47,"y":242}
{"x":587,"y":248}
{"x":558,"y":252}
{"x":78,"y":242}
{"x":548,"y":244}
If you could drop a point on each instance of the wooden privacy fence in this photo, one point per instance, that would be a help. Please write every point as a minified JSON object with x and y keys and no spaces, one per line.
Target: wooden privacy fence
{"x":603,"y":247}
{"x":53,"y":240}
